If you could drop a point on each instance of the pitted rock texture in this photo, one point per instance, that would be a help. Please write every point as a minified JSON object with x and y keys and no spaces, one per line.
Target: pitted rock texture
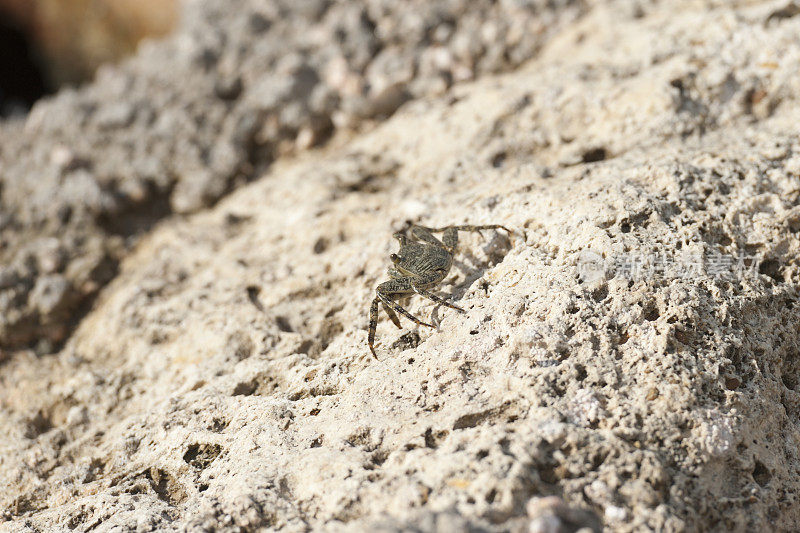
{"x":189,"y":119}
{"x":629,"y":356}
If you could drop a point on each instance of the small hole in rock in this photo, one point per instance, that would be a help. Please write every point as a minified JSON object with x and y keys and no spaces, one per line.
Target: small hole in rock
{"x":761,"y":473}
{"x":252,"y":295}
{"x":38,"y":425}
{"x":498,"y":159}
{"x":379,"y":457}
{"x":771,"y":268}
{"x":305,"y":346}
{"x":732,"y":382}
{"x":651,"y":314}
{"x":245,"y":388}
{"x":594,"y":155}
{"x":283,"y":324}
{"x":201,"y":455}
{"x":407,"y":341}
{"x":600,"y":294}
{"x":684,"y":337}
{"x":321,"y":245}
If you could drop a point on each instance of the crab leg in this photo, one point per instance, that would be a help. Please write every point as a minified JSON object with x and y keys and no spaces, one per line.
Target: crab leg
{"x":384,"y":292}
{"x":437,"y":299}
{"x":450,"y":237}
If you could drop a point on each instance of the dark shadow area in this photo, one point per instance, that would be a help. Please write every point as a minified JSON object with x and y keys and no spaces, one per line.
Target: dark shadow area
{"x":21,"y":79}
{"x":474,"y":270}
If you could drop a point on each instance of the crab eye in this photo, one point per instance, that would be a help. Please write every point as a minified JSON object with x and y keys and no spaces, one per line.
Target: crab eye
{"x":394,"y":257}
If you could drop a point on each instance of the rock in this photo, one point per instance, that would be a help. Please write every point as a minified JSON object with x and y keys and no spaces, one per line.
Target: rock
{"x":50,"y":256}
{"x":197,"y":190}
{"x":551,"y":515}
{"x":50,"y":294}
{"x":386,"y":101}
{"x":627,"y":357}
{"x":8,"y":278}
{"x":228,"y":88}
{"x":115,"y":115}
{"x":189,"y":118}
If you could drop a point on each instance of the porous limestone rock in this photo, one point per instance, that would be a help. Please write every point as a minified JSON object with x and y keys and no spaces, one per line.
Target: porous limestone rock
{"x":629,"y":356}
{"x":191,"y":118}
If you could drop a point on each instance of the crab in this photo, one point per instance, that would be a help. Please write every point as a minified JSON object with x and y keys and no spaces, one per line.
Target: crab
{"x":422,"y":262}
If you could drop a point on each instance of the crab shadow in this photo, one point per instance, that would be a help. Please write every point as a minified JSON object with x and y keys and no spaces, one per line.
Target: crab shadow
{"x":473,"y":270}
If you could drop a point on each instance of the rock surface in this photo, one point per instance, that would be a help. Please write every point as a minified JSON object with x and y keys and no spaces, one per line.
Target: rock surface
{"x":187,"y":120}
{"x":629,"y":356}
